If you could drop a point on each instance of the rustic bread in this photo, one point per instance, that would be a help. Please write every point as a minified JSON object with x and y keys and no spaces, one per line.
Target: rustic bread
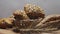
{"x":28,"y":23}
{"x":20,"y":15}
{"x":51,"y":21}
{"x":6,"y":22}
{"x":33,"y":11}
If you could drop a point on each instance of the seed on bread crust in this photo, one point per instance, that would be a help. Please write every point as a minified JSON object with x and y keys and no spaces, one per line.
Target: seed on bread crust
{"x":20,"y":15}
{"x":34,"y":11}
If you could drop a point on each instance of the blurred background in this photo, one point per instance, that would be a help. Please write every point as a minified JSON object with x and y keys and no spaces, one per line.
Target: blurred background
{"x":7,"y":7}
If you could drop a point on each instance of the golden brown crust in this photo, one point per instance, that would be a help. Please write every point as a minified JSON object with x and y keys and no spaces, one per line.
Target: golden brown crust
{"x":20,"y":15}
{"x":6,"y":22}
{"x":51,"y":19}
{"x":34,"y":11}
{"x":37,"y":23}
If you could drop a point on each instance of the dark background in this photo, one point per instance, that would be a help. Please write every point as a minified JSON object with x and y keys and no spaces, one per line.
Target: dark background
{"x":7,"y":7}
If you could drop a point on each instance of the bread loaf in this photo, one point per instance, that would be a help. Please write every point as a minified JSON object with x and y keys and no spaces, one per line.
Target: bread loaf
{"x":51,"y":21}
{"x":20,"y":15}
{"x":28,"y":23}
{"x":6,"y":22}
{"x":33,"y":11}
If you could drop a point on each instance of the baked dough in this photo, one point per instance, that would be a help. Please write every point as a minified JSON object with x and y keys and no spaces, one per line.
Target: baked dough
{"x":20,"y":15}
{"x":33,"y":11}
